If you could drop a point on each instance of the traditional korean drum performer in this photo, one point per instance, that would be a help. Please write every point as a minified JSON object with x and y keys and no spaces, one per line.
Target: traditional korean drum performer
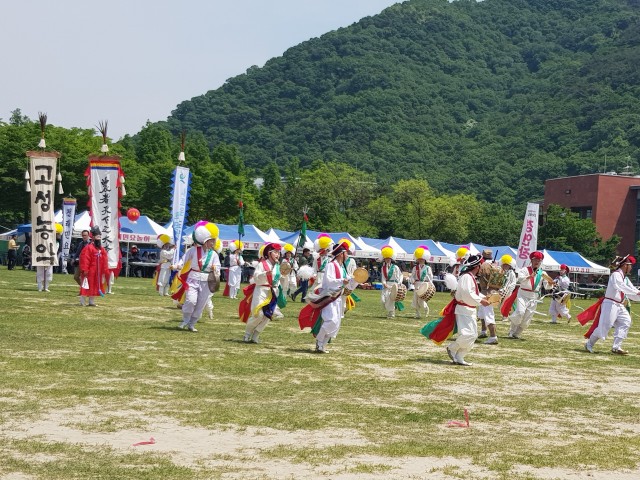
{"x":163,"y":273}
{"x":421,"y":275}
{"x":559,"y":307}
{"x":507,"y":294}
{"x":322,"y":246}
{"x":530,"y":281}
{"x":350,"y":298}
{"x":391,"y":278}
{"x":199,"y":264}
{"x":324,"y":313}
{"x":260,"y":301}
{"x":491,"y":279}
{"x":460,"y":314}
{"x":289,"y":270}
{"x":236,"y":262}
{"x":611,"y":310}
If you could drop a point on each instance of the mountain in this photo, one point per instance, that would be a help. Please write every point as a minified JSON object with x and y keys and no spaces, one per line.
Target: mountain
{"x":489,"y":98}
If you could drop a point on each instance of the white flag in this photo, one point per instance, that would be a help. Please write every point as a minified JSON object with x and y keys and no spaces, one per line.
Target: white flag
{"x":529,"y":236}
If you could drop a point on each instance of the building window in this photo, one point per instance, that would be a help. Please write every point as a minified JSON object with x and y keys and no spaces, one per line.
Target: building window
{"x":583,"y":212}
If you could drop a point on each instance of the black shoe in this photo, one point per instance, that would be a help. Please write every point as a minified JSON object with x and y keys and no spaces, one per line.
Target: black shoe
{"x":303,"y":300}
{"x":293,"y":296}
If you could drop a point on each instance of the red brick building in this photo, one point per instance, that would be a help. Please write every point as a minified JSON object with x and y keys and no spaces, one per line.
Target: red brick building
{"x":611,"y":201}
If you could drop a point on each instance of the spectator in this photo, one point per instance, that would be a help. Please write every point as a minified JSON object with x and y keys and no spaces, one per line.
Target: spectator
{"x":12,"y":253}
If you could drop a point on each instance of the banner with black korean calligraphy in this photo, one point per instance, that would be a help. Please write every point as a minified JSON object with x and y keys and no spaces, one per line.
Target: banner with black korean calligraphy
{"x":68,"y":217}
{"x":179,"y":207}
{"x":529,"y":235}
{"x":104,"y":193}
{"x":43,"y":225}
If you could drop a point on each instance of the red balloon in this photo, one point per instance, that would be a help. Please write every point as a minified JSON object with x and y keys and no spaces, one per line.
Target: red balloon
{"x":133,"y":214}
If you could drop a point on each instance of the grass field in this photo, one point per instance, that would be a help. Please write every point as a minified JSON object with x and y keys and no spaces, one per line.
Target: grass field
{"x":79,"y":386}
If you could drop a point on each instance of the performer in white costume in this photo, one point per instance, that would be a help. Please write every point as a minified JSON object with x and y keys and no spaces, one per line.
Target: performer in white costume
{"x":530,"y":281}
{"x":264,"y":295}
{"x":467,"y":297}
{"x":322,"y":247}
{"x":420,"y":274}
{"x":491,"y":279}
{"x":391,"y":278}
{"x":335,"y":279}
{"x":202,"y":259}
{"x":288,"y":282}
{"x":613,"y":312}
{"x":350,"y":267}
{"x":236,"y":262}
{"x":167,"y":251}
{"x":558,"y":307}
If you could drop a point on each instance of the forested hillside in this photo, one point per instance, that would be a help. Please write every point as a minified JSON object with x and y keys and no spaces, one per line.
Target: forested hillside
{"x":431,"y":120}
{"x":487,"y":98}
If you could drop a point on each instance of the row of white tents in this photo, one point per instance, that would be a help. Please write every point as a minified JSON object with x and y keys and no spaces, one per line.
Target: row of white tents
{"x":146,"y":231}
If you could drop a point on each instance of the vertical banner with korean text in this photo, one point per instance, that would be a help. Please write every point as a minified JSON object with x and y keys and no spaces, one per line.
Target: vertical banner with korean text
{"x":68,"y":217}
{"x":43,"y":224}
{"x":529,"y":236}
{"x":104,"y":176}
{"x":179,"y":207}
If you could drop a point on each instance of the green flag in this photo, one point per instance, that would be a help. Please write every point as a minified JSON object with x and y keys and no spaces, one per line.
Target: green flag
{"x":303,"y":232}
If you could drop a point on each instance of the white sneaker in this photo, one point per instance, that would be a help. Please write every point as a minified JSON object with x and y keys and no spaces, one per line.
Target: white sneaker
{"x":47,"y":290}
{"x":512,"y":335}
{"x":588,"y":347}
{"x":193,"y":329}
{"x":491,"y":341}
{"x":462,"y":362}
{"x":255,"y":338}
{"x":246,"y":338}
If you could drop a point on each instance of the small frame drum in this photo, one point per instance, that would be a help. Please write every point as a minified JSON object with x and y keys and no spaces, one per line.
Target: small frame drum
{"x":401,"y":292}
{"x":425,"y":291}
{"x":493,"y":298}
{"x":285,"y":268}
{"x":360,"y":275}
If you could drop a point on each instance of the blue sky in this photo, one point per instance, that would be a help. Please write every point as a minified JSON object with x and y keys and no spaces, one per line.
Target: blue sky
{"x":129,"y":61}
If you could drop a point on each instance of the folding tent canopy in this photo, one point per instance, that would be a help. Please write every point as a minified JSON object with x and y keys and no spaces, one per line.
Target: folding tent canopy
{"x":144,"y":230}
{"x":437,"y":255}
{"x":577,"y":263}
{"x":401,"y":253}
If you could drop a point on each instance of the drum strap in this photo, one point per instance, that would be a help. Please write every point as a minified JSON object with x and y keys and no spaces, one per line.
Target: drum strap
{"x":271,"y":279}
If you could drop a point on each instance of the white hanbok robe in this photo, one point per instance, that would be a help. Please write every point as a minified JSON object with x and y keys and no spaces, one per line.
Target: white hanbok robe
{"x":334,"y":279}
{"x":289,"y":282}
{"x":420,"y":275}
{"x":236,"y":262}
{"x":557,"y":308}
{"x":166,"y":258}
{"x":527,"y":299}
{"x":613,"y":313}
{"x":262,"y":293}
{"x":469,"y":297}
{"x":389,"y":276}
{"x":198,"y":293}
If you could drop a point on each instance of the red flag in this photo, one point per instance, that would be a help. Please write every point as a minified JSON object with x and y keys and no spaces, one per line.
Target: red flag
{"x":308,"y":316}
{"x":505,"y":308}
{"x":244,"y":307}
